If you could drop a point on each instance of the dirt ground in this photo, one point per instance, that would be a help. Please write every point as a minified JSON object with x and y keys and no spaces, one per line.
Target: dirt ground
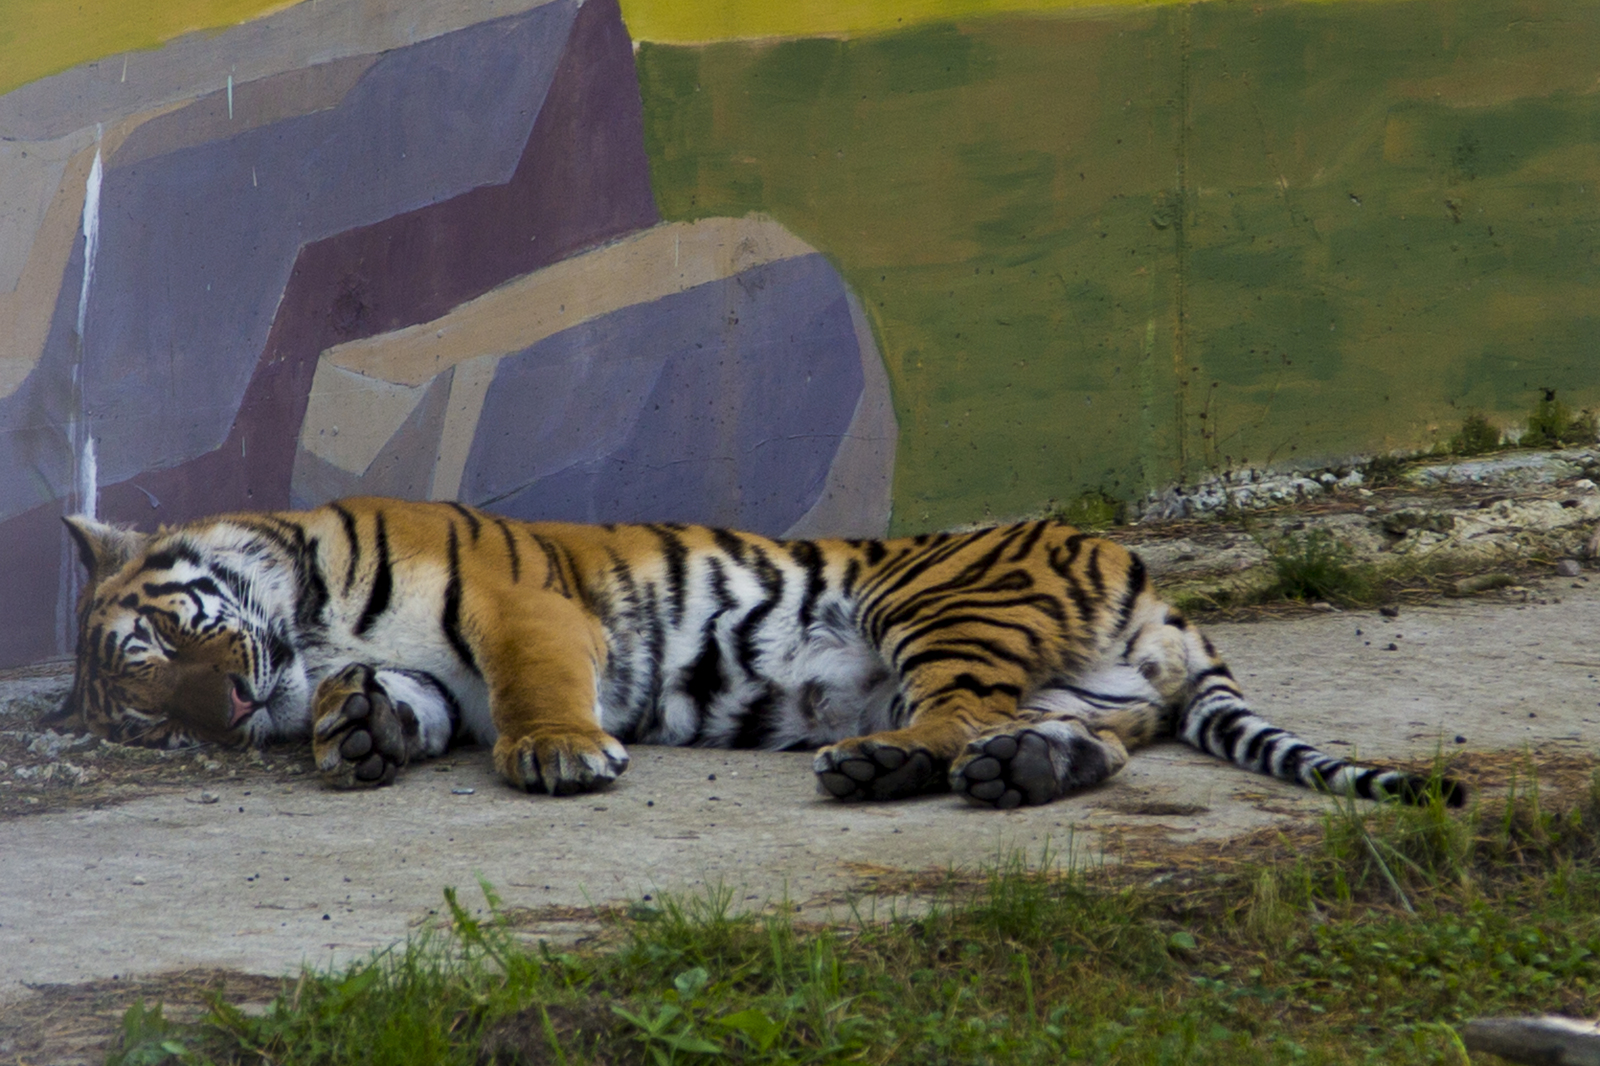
{"x":134,"y":874}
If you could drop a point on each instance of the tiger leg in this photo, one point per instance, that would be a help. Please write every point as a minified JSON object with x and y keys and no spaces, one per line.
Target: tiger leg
{"x":368,"y":723}
{"x":542,"y":664}
{"x":1076,"y":731}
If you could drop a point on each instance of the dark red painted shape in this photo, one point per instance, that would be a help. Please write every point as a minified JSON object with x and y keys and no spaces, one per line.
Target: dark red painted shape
{"x":583,"y":179}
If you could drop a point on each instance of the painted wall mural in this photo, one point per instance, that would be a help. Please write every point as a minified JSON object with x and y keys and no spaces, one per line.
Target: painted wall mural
{"x":432,"y":268}
{"x":818,"y":268}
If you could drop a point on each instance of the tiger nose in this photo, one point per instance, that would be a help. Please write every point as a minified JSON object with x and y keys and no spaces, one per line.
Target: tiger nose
{"x":241,"y":700}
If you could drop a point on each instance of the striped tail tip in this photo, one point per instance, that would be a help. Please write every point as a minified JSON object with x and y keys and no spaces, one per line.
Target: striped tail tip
{"x":1413,"y":789}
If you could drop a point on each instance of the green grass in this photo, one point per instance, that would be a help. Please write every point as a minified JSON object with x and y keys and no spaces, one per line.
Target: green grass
{"x":1368,"y":947}
{"x":1316,"y":565}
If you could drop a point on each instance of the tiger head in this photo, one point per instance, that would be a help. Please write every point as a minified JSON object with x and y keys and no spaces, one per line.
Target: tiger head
{"x":174,"y":644}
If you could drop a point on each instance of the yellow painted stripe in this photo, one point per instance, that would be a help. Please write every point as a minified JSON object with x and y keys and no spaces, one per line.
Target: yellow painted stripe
{"x":696,"y":21}
{"x":42,"y":37}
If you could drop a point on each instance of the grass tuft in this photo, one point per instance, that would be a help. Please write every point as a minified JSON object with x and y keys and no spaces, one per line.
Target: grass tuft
{"x":1316,"y":565}
{"x":1477,"y":436}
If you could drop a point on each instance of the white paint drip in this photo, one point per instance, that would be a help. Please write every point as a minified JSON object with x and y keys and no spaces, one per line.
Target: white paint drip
{"x":230,"y":97}
{"x":88,"y":481}
{"x":91,"y":233}
{"x":124,"y":67}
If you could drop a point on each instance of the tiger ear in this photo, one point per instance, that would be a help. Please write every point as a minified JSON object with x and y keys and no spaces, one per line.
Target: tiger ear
{"x":104,"y":548}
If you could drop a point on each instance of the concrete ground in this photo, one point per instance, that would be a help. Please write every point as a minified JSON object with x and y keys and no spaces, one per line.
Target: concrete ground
{"x":261,"y":872}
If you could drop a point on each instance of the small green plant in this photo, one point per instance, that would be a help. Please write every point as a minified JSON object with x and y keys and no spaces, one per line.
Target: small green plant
{"x":1552,"y":424}
{"x":148,"y":1039}
{"x":1094,"y":510}
{"x":1316,"y":565}
{"x":1476,"y":436}
{"x":672,"y":1033}
{"x":1382,"y":470}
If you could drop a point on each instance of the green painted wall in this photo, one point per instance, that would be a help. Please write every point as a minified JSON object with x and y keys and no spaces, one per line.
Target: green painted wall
{"x":1109,"y":251}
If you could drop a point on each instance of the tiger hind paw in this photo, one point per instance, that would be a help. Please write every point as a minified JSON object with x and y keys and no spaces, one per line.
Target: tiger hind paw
{"x":874,"y":768}
{"x":1034,"y":762}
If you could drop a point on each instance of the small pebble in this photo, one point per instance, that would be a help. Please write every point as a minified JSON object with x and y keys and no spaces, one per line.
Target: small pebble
{"x":209,"y":797}
{"x":1460,"y":739}
{"x":1389,"y":610}
{"x":1323,"y":605}
{"x":1392,"y":647}
{"x":462,"y":791}
{"x":136,"y":880}
{"x":1569,"y":568}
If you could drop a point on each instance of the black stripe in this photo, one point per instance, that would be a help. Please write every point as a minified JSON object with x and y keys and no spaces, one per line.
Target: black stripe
{"x":703,"y":680}
{"x":190,"y":589}
{"x":1034,"y":533}
{"x":169,"y":557}
{"x":744,"y":634}
{"x":312,"y":591}
{"x":676,"y":555}
{"x":1027,"y":632}
{"x":450,"y":620}
{"x":1258,"y":742}
{"x":924,"y":607}
{"x":1097,"y":576}
{"x":655,"y":635}
{"x":809,"y":557}
{"x":950,"y":654}
{"x":554,"y":577}
{"x":1135,"y":584}
{"x":730,"y":544}
{"x":970,"y":683}
{"x":352,"y":544}
{"x":1066,"y":553}
{"x":511,"y":549}
{"x":753,"y":717}
{"x":852,"y":574}
{"x":472,"y":519}
{"x":382,"y":581}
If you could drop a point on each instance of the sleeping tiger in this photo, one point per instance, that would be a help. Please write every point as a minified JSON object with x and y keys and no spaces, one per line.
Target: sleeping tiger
{"x":1012,"y":665}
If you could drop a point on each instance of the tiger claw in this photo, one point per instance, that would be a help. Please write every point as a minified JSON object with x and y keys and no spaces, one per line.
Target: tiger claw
{"x":561,"y":765}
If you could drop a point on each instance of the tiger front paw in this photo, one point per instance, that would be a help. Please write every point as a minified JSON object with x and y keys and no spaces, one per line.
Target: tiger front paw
{"x":361,"y":738}
{"x":1035,"y":762}
{"x":877,"y":768}
{"x":561,"y":765}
